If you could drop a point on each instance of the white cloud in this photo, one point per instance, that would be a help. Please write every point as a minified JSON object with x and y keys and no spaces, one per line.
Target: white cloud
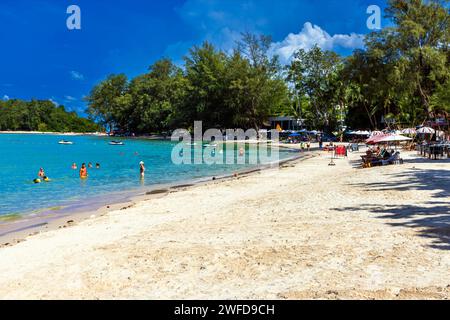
{"x":312,"y":35}
{"x":70,"y":98}
{"x":5,"y":98}
{"x":54,"y":102}
{"x":76,"y":75}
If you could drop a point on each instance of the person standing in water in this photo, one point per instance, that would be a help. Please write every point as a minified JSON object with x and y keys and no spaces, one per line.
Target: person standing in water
{"x":142,"y":169}
{"x":83,"y":171}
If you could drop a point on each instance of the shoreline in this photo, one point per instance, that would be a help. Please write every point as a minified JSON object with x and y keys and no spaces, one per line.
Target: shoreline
{"x":304,"y":231}
{"x":24,"y":229}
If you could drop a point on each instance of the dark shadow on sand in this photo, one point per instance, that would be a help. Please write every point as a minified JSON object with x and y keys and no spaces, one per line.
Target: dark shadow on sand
{"x":432,"y":218}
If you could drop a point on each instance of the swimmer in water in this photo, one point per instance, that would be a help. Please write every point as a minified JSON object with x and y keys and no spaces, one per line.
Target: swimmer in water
{"x":241,"y":152}
{"x":41,"y":173}
{"x":142,"y":169}
{"x":83,"y":171}
{"x":74,"y":166}
{"x":90,"y":165}
{"x":97,"y":166}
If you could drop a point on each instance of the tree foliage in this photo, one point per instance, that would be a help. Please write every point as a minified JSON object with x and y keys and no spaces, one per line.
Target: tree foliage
{"x":41,"y":115}
{"x":402,"y":77}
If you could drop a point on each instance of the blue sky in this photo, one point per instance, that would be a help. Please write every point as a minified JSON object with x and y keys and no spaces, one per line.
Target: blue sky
{"x":40,"y":58}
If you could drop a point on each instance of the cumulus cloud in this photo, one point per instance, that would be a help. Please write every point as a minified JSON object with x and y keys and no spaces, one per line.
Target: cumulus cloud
{"x":75,"y":75}
{"x":312,"y":35}
{"x":5,"y":98}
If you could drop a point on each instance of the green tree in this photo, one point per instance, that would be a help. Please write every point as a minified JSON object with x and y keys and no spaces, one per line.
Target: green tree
{"x":106,"y":102}
{"x":313,"y":73}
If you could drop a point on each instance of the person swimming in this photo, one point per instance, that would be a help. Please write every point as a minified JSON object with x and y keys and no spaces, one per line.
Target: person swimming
{"x":41,"y":173}
{"x":97,"y":165}
{"x":42,"y":177}
{"x":90,"y":165}
{"x":74,"y":166}
{"x":83,"y":171}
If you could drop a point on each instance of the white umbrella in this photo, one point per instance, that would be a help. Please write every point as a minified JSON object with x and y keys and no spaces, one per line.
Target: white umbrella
{"x":376,"y":133}
{"x":426,"y":130}
{"x":440,"y":134}
{"x":409,"y":131}
{"x":394,"y":138}
{"x":361,"y":133}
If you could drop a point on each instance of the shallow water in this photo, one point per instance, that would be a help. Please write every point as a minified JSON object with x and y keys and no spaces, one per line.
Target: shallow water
{"x":23,"y":155}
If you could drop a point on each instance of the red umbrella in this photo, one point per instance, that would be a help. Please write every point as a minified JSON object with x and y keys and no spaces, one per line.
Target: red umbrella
{"x":376,"y":139}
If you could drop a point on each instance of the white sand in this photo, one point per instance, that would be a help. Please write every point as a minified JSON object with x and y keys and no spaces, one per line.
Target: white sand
{"x":305,"y":231}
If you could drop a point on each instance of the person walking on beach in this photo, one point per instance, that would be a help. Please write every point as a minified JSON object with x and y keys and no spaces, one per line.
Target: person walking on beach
{"x":142,"y":169}
{"x":83,"y":171}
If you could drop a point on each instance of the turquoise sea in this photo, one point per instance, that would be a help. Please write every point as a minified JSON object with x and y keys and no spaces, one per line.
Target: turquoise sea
{"x":23,"y":155}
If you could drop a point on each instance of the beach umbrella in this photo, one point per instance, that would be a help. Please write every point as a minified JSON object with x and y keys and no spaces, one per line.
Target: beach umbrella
{"x":360,"y":133}
{"x":393,"y":138}
{"x":375,"y":139}
{"x":426,"y":130}
{"x":409,"y":131}
{"x":376,"y":133}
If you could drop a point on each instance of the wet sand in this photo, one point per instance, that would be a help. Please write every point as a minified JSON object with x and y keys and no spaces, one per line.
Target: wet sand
{"x":305,"y":231}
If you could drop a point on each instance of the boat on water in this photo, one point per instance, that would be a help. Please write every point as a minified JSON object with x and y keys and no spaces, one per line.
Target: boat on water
{"x":116,"y":143}
{"x":65,"y":142}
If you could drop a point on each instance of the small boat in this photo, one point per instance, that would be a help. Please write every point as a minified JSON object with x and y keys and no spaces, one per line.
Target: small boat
{"x":65,"y":142}
{"x":116,"y":143}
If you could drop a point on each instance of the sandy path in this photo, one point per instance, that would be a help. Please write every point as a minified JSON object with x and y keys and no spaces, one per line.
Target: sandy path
{"x":305,"y":231}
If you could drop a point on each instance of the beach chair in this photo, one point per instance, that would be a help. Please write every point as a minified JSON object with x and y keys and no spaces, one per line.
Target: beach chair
{"x":394,"y":159}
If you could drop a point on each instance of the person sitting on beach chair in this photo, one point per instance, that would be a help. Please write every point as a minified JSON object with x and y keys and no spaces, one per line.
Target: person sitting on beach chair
{"x":393,"y":159}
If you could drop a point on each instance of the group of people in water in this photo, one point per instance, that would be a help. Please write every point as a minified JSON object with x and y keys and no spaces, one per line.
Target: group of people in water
{"x":83,"y":171}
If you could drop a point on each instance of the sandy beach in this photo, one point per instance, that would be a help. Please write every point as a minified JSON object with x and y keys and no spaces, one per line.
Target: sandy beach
{"x":304,"y":231}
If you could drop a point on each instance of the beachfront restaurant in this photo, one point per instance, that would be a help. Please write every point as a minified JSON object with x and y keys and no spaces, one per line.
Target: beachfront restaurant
{"x":286,"y":123}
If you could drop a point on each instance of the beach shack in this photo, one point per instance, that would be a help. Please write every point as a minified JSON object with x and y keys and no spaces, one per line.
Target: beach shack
{"x":286,"y":123}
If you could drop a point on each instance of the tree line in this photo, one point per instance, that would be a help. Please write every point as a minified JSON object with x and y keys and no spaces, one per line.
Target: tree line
{"x":402,"y":77}
{"x":43,"y":116}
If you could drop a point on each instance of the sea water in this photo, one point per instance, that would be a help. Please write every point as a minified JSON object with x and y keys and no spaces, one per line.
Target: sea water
{"x":22,"y":155}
